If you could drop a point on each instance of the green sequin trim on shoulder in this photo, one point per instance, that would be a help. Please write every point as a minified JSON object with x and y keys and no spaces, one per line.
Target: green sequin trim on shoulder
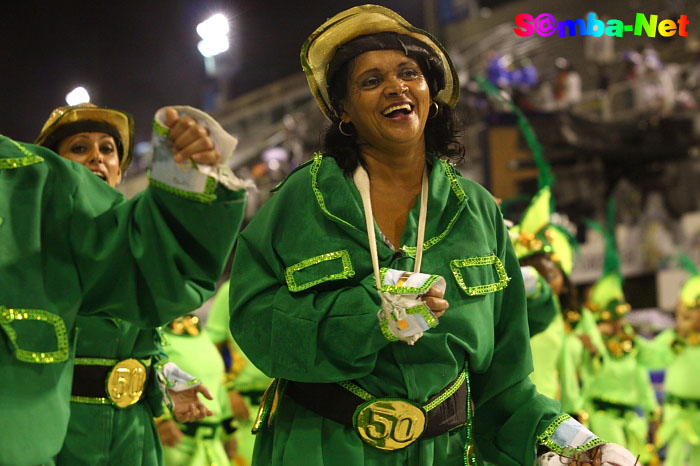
{"x":503,"y":277}
{"x":207,"y":197}
{"x":461,"y":197}
{"x":315,"y":167}
{"x":346,"y":272}
{"x":7,"y":316}
{"x":545,"y":438}
{"x":29,"y":158}
{"x":405,"y":289}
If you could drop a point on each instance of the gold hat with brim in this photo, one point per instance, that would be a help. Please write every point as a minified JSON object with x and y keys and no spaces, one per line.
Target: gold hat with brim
{"x":319,"y":49}
{"x":114,"y":122}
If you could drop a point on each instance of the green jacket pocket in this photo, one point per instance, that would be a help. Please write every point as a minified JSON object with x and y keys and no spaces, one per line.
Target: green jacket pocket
{"x":318,"y":269}
{"x":479,"y":275}
{"x":36,"y":336}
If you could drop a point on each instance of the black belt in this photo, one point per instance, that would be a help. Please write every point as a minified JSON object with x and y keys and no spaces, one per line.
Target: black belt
{"x":333,"y":401}
{"x":90,"y":381}
{"x":190,"y":429}
{"x":684,"y":403}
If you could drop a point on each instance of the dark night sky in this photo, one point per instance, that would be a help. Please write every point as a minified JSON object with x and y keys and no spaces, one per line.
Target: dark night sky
{"x":138,"y":55}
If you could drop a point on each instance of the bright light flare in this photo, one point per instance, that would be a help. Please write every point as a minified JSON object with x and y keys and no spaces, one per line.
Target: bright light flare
{"x":216,"y":26}
{"x":79,"y":95}
{"x":211,"y":47}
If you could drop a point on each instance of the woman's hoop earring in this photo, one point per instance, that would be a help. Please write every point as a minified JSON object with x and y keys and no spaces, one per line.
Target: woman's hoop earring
{"x":340,"y":128}
{"x":437,"y":109}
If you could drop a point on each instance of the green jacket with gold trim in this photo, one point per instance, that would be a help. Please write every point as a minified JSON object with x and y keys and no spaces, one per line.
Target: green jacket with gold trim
{"x":304,"y":307}
{"x":71,"y":244}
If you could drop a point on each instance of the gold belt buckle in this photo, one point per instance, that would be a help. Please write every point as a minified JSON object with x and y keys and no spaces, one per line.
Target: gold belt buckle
{"x":125,"y":382}
{"x":388,"y":423}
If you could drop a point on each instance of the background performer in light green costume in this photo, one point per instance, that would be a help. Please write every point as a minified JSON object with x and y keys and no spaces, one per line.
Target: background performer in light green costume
{"x":99,"y":431}
{"x":245,"y":382}
{"x":614,"y":382}
{"x":70,"y":244}
{"x":546,"y":252}
{"x":311,"y":306}
{"x":210,"y":441}
{"x":678,"y":350}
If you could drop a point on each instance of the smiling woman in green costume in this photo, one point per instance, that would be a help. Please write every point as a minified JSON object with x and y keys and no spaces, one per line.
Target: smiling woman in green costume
{"x":72,"y":245}
{"x":110,"y":425}
{"x":341,"y":284}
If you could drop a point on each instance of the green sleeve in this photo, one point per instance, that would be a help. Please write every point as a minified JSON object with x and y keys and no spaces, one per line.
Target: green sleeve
{"x":509,"y":413}
{"x":152,"y":258}
{"x":328,"y":333}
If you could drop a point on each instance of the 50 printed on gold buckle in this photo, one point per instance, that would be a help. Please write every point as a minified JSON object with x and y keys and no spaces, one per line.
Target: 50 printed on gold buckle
{"x":389,"y":423}
{"x":125,"y":382}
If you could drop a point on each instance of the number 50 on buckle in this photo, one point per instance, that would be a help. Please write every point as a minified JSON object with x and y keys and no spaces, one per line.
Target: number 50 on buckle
{"x":389,"y":423}
{"x":125,"y":382}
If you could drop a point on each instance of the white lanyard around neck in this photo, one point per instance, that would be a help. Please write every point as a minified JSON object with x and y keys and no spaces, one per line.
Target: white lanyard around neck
{"x":361,"y":180}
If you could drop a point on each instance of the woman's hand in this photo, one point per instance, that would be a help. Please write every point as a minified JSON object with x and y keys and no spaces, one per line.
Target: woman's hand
{"x":190,"y":140}
{"x":187,"y":406}
{"x":433,"y":298}
{"x":170,"y":434}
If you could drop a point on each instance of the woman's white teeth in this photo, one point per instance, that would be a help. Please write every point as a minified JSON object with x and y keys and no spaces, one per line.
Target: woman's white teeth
{"x":394,"y":108}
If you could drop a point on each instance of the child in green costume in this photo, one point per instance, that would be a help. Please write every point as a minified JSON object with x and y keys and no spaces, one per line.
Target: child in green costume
{"x":209,"y":441}
{"x":245,"y":382}
{"x":678,"y":350}
{"x":545,"y":252}
{"x":615,"y":383}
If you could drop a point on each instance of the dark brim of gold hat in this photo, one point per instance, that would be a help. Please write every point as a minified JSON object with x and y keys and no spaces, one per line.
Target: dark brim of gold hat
{"x":319,"y":49}
{"x":121,"y":122}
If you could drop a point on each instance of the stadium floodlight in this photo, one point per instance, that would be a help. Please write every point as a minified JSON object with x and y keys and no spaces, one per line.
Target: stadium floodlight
{"x":79,"y":95}
{"x":214,"y":33}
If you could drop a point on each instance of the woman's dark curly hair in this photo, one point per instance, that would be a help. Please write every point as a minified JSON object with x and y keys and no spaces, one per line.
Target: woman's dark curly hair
{"x":442,"y":132}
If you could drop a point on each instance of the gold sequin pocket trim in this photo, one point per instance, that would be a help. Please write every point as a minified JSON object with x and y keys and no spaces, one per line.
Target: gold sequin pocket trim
{"x":475,"y":289}
{"x":346,"y":271}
